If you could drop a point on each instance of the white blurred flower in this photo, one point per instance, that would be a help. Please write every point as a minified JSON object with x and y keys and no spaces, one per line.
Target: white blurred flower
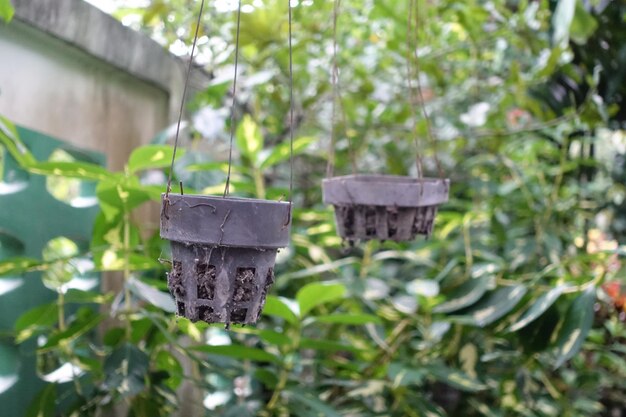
{"x":209,"y":122}
{"x":476,"y":115}
{"x":405,"y":303}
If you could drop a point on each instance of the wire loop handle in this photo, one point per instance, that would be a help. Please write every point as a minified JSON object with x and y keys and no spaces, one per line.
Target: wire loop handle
{"x":233,"y":108}
{"x":182,"y":103}
{"x":291,"y":109}
{"x":415,"y":94}
{"x":420,"y":96}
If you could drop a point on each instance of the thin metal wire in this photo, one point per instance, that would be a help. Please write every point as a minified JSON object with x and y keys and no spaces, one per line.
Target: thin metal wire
{"x":429,"y":130}
{"x":337,"y":98}
{"x":232,"y":111}
{"x":334,"y":80}
{"x":412,"y":96}
{"x":291,"y":120}
{"x":182,"y":102}
{"x":291,"y":106}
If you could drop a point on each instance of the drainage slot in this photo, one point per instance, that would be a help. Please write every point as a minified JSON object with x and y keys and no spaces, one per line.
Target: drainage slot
{"x":239,"y":315}
{"x":370,"y":220}
{"x":346,"y":215}
{"x":206,"y":281}
{"x":244,"y":284}
{"x":175,"y":280}
{"x":207,"y":314}
{"x":269,"y":280}
{"x":392,"y":221}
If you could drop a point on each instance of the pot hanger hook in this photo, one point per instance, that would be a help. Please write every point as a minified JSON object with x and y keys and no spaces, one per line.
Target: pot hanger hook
{"x":182,"y":108}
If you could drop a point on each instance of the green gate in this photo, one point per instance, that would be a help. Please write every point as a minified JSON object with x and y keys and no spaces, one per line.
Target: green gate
{"x":34,"y":210}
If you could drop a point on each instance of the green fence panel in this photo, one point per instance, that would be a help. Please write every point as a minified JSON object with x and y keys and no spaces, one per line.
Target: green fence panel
{"x":30,"y":216}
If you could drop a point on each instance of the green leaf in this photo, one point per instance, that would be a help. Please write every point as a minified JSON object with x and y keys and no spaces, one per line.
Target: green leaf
{"x":354,"y":319}
{"x":152,"y":157}
{"x":402,"y":374}
{"x":86,"y":297}
{"x":166,"y":361}
{"x":10,"y":139}
{"x":6,"y":10}
{"x":274,"y":338}
{"x":315,"y":294}
{"x":318,"y":269}
{"x":249,"y":139}
{"x":423,"y":287}
{"x":280,"y":307}
{"x":58,"y":252}
{"x":126,"y":370}
{"x":79,"y":170}
{"x":238,"y":352}
{"x":78,"y":328}
{"x":121,"y":193}
{"x":539,"y":307}
{"x":562,"y":21}
{"x":155,"y":297}
{"x":17,"y":265}
{"x":495,"y":305}
{"x":455,"y":379}
{"x":35,"y":321}
{"x":44,"y":405}
{"x":209,"y":166}
{"x":312,"y":402}
{"x":327,"y":345}
{"x":575,"y":327}
{"x":112,"y":260}
{"x":446,"y":270}
{"x":464,"y":296}
{"x":282,"y":151}
{"x":583,"y":25}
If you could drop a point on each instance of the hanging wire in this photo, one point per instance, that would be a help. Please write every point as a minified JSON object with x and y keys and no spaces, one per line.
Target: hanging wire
{"x":182,"y":104}
{"x":232,"y":109}
{"x":429,"y":129}
{"x":291,"y":119}
{"x":412,"y":96}
{"x":342,"y":121}
{"x":291,"y":106}
{"x":337,"y":99}
{"x":334,"y":81}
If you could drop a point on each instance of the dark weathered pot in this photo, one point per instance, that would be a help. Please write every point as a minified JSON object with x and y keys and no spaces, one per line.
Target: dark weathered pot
{"x":223,"y":254}
{"x":384,"y":207}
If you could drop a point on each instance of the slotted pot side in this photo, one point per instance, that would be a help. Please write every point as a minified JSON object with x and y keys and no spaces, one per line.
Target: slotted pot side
{"x":223,"y":254}
{"x":384,"y":207}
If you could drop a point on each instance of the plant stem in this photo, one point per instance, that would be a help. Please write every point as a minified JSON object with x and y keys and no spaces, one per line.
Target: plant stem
{"x":467,"y":240}
{"x":394,"y":341}
{"x":557,"y":182}
{"x":259,"y":183}
{"x":367,"y":259}
{"x":127,"y":296}
{"x":61,"y":310}
{"x":284,"y":372}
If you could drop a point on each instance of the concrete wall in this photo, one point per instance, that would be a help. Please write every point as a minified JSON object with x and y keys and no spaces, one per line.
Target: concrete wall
{"x":71,"y":71}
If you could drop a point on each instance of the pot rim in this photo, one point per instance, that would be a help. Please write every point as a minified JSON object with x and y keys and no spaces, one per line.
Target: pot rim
{"x":229,"y":198}
{"x":225,"y":221}
{"x":385,"y":190}
{"x":385,"y":178}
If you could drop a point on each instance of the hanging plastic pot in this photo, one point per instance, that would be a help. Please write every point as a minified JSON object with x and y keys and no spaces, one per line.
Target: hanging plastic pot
{"x":224,"y":248}
{"x":223,"y":254}
{"x":384,"y":207}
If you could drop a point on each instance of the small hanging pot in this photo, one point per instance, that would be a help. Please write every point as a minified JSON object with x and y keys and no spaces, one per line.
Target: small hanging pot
{"x":384,"y":207}
{"x":223,"y":254}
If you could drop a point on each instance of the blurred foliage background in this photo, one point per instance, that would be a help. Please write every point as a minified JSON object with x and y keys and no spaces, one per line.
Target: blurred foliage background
{"x":514,"y":307}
